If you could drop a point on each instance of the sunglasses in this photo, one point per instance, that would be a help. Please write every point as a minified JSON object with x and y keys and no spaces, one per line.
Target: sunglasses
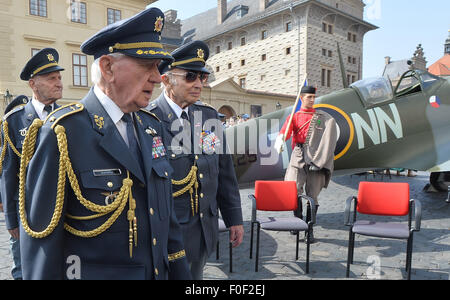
{"x":191,"y":76}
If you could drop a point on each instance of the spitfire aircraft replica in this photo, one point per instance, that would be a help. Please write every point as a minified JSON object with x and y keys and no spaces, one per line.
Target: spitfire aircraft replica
{"x":382,"y":123}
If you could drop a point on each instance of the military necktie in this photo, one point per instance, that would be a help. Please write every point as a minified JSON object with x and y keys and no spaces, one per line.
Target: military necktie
{"x":184,"y":116}
{"x":132,"y":140}
{"x":187,"y":129}
{"x":48,"y":109}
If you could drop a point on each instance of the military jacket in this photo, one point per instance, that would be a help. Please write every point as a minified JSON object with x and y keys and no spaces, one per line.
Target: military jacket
{"x":217,"y":184}
{"x":17,"y":123}
{"x":101,"y":162}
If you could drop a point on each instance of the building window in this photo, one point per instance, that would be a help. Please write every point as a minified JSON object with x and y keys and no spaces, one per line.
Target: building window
{"x":330,"y":53}
{"x":78,"y":12}
{"x":351,"y":37}
{"x":328,"y":28}
{"x":263,"y":57}
{"x":288,"y":50}
{"x":351,"y":79}
{"x":288,"y":26}
{"x":242,"y":62}
{"x":230,"y":65}
{"x":324,"y":52}
{"x":217,"y":49}
{"x":326,"y":78}
{"x":264,"y":34}
{"x":80,"y":75}
{"x":230,"y":45}
{"x":114,"y":15}
{"x":287,"y":72}
{"x":263,"y":77}
{"x":243,"y":41}
{"x":34,"y":51}
{"x":38,"y":8}
{"x":242,"y":82}
{"x":217,"y":69}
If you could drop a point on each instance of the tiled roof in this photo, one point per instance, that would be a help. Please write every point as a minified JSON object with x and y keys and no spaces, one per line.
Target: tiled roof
{"x":441,"y":67}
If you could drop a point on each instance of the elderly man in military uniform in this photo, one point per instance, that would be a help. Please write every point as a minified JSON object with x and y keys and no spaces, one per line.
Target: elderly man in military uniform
{"x":204,"y":176}
{"x":42,"y":73}
{"x":92,"y":205}
{"x":314,"y":135}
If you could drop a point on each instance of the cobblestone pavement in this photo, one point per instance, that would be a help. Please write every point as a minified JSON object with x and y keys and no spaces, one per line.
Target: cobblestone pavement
{"x":431,"y":250}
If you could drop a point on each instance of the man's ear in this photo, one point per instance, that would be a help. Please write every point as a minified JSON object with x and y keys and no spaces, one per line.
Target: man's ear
{"x":165,"y":79}
{"x":105,"y":63}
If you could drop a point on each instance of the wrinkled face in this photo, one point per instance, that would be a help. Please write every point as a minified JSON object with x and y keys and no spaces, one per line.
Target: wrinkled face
{"x":308,"y":101}
{"x":182,"y":91}
{"x":47,"y":88}
{"x":129,"y":81}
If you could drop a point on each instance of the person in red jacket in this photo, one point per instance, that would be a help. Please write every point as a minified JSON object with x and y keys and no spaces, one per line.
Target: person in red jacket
{"x":314,"y":136}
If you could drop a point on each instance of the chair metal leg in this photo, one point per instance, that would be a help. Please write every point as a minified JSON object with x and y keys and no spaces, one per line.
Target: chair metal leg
{"x":407,"y":253}
{"x":351,"y":242}
{"x":258,"y":229}
{"x":231,"y":257}
{"x":297,"y":239}
{"x":353,"y":248}
{"x":409,"y":260}
{"x":251,"y":240}
{"x":308,"y":243}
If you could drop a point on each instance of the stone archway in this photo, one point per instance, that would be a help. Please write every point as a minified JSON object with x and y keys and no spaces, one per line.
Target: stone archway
{"x":228,"y":111}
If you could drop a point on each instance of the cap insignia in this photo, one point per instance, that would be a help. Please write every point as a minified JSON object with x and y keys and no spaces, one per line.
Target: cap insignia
{"x":201,"y":53}
{"x":159,"y":24}
{"x":50,"y":57}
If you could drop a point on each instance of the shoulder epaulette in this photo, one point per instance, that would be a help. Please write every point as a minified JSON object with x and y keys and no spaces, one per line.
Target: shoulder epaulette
{"x":13,"y":111}
{"x":152,"y":106}
{"x":151,"y":114}
{"x":64,"y":111}
{"x":200,"y":103}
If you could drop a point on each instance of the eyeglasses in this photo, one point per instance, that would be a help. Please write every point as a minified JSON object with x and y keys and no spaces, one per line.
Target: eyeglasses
{"x":191,"y":76}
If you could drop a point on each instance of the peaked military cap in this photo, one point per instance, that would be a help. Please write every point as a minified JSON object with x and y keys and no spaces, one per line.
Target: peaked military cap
{"x":308,"y":90}
{"x":191,"y":56}
{"x":43,"y":62}
{"x":138,"y":36}
{"x":19,"y":100}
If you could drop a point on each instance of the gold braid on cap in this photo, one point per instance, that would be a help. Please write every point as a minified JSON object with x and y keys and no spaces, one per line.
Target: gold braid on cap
{"x":128,"y":46}
{"x":44,"y":67}
{"x":182,"y":62}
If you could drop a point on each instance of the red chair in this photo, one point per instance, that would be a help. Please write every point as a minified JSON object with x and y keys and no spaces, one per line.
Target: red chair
{"x":383,"y":199}
{"x":279,"y":196}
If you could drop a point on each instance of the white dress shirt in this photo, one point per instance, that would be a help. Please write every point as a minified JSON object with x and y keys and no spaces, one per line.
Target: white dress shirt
{"x":39,"y":108}
{"x":114,"y":112}
{"x":175,"y":107}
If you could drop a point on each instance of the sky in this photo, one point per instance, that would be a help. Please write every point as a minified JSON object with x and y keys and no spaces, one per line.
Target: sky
{"x":403,"y":24}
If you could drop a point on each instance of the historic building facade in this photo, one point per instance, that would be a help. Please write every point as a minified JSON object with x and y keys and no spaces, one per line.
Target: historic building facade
{"x":271,"y":46}
{"x":27,"y":26}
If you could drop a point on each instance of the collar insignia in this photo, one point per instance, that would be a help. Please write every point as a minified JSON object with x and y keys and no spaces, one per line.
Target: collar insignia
{"x":99,"y":121}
